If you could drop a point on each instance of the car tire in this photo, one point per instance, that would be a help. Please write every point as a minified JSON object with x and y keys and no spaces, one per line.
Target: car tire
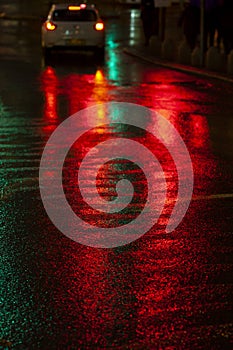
{"x":46,"y":55}
{"x":100,"y":53}
{"x":46,"y":52}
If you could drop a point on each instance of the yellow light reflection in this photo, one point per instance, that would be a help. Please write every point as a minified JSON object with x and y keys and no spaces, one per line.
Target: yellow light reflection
{"x":99,"y":96}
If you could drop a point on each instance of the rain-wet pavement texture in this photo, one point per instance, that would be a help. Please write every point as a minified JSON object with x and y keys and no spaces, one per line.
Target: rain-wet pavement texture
{"x":163,"y":291}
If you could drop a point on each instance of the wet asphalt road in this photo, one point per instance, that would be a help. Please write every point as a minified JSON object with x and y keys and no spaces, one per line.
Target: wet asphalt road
{"x":163,"y":291}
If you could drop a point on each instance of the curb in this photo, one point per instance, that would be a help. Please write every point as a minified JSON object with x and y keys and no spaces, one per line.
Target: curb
{"x":177,"y":66}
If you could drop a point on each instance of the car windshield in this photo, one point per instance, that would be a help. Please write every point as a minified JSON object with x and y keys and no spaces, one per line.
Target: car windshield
{"x":74,"y":16}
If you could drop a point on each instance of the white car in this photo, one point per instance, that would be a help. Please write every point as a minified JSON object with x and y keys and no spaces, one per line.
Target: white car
{"x":73,"y":26}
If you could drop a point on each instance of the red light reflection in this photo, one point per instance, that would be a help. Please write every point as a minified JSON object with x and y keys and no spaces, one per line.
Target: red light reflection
{"x":185,"y":103}
{"x":49,"y":83}
{"x":154,"y":292}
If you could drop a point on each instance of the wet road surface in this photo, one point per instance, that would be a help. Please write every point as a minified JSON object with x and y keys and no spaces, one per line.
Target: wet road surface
{"x":163,"y":291}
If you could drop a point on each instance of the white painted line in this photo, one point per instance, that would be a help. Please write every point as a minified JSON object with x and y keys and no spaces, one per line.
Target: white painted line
{"x":213,"y":196}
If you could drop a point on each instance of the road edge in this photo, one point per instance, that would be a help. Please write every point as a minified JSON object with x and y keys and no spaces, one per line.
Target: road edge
{"x":176,"y":66}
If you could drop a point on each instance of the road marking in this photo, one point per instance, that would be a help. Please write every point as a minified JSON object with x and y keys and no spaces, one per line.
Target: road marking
{"x":213,"y":196}
{"x":202,"y":198}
